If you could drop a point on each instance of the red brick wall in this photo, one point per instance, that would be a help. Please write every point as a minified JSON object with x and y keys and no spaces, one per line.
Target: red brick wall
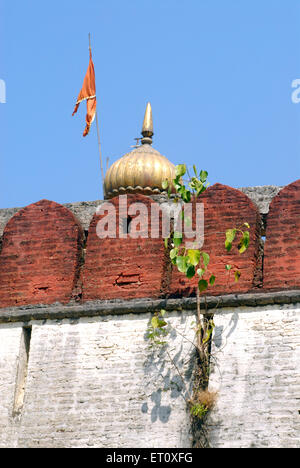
{"x":42,"y":252}
{"x":124,"y":268}
{"x":282,"y":248}
{"x":39,"y":260}
{"x":224,"y":208}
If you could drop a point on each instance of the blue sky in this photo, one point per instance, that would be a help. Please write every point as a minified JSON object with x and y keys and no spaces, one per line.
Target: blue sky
{"x":218,"y":74}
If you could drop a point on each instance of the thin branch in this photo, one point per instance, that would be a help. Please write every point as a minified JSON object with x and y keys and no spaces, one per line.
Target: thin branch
{"x":179,"y":373}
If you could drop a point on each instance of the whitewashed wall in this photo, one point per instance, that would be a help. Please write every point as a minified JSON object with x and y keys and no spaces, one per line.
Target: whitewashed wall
{"x":10,"y":337}
{"x":256,"y":356}
{"x":95,"y":382}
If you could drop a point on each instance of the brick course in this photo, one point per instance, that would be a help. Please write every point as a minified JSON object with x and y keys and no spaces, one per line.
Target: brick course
{"x":282,"y":248}
{"x":42,"y":256}
{"x":92,"y":379}
{"x":124,"y":268}
{"x":225,"y":208}
{"x":39,"y":260}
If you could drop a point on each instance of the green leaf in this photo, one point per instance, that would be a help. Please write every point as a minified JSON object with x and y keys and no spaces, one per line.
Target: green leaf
{"x":205,"y":257}
{"x":161,"y":323}
{"x":176,"y":183}
{"x":230,"y":235}
{"x":208,"y":335}
{"x":246,"y":238}
{"x":242,"y":248}
{"x":186,"y":196}
{"x":162,"y":312}
{"x":212,"y":280}
{"x":165,"y":184}
{"x":181,"y":263}
{"x":160,"y":342}
{"x":194,"y":182}
{"x":244,"y":242}
{"x":173,"y":253}
{"x":201,"y":189}
{"x":195,"y":170}
{"x":194,"y":256}
{"x":166,"y":242}
{"x":180,"y":170}
{"x":247,"y":225}
{"x":203,"y":176}
{"x":212,"y":323}
{"x":202,"y":285}
{"x":181,"y":189}
{"x":155,"y":322}
{"x":228,"y":267}
{"x":190,"y":272}
{"x":228,"y":245}
{"x":237,"y":275}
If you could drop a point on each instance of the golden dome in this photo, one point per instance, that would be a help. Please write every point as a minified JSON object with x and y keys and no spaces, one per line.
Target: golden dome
{"x":143,"y":170}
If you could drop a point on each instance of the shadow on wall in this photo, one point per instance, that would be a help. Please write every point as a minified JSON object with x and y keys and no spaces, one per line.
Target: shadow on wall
{"x":159,"y":411}
{"x":218,"y":336}
{"x":167,"y":373}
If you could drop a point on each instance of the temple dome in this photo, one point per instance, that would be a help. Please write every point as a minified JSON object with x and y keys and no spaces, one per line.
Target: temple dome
{"x":143,"y":170}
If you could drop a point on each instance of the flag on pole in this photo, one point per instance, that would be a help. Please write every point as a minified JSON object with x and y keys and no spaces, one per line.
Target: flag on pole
{"x":88,"y":93}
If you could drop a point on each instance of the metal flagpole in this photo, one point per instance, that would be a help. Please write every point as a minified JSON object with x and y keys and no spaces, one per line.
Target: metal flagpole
{"x":98,"y":134}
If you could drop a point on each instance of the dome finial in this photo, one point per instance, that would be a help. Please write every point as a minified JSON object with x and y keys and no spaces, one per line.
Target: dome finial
{"x":147,"y":130}
{"x":142,"y":170}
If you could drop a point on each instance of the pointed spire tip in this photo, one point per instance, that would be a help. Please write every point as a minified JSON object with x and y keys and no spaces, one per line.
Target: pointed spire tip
{"x":147,"y":130}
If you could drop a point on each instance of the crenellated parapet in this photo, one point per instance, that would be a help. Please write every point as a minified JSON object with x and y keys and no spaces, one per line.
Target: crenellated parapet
{"x":49,"y":255}
{"x":119,"y":264}
{"x":225,"y":208}
{"x":40,"y":256}
{"x":282,"y":248}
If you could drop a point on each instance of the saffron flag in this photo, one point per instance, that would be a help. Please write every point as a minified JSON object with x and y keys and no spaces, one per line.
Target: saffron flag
{"x":88,"y":93}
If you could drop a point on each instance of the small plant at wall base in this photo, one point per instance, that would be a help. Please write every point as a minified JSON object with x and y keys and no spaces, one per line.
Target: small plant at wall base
{"x":195,"y":263}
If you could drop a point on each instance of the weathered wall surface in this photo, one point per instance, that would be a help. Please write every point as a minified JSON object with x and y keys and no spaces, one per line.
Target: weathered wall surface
{"x":10,"y":337}
{"x":117,"y":267}
{"x":95,"y":383}
{"x":256,"y":369}
{"x":91,"y":378}
{"x":225,"y":207}
{"x":85,"y":210}
{"x":52,"y":253}
{"x":40,"y":255}
{"x":282,"y":249}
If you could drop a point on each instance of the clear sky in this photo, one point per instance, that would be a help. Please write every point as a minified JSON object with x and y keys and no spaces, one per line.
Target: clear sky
{"x":218,"y":74}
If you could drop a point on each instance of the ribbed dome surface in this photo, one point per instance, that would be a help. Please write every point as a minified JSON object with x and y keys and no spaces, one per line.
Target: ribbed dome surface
{"x":143,"y":170}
